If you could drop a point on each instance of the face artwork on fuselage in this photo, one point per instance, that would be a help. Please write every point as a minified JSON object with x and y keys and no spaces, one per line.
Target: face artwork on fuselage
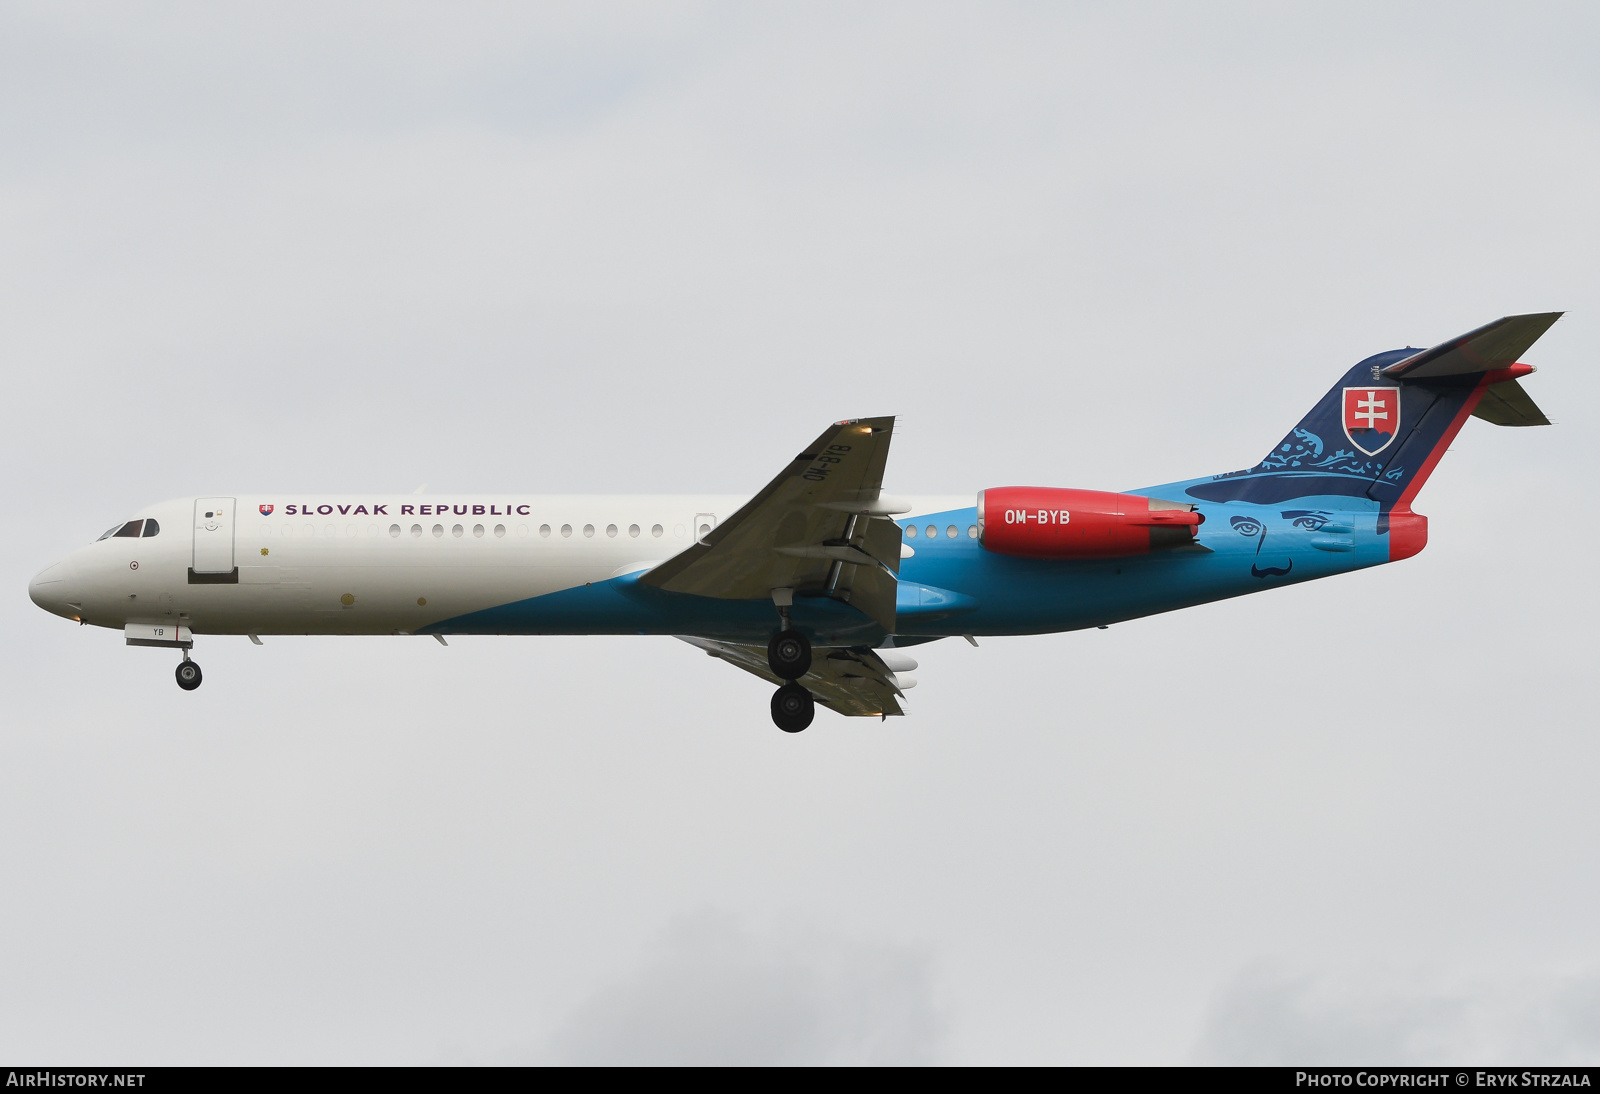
{"x":1275,"y":561}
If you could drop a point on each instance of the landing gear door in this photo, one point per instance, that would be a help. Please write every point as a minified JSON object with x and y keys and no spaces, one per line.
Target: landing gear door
{"x":703,"y":523}
{"x":213,"y":536}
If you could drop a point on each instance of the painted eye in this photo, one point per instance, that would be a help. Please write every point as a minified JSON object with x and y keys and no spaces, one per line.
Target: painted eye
{"x":1310,"y":524}
{"x":1246,"y":526}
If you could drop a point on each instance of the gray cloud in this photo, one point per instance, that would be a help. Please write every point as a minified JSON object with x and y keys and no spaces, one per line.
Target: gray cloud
{"x":711,"y":991}
{"x":1271,"y":1016}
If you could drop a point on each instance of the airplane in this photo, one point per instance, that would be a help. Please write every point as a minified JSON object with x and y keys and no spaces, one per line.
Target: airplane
{"x":820,"y":582}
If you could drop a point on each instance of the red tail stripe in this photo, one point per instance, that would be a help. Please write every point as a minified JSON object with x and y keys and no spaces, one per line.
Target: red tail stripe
{"x":1445,"y":440}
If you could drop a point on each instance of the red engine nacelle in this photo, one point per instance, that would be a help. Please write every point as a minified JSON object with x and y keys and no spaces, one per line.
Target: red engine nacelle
{"x":1042,"y":522}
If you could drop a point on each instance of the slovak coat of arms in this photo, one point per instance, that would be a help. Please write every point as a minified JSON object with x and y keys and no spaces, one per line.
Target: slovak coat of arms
{"x":1371,"y":417}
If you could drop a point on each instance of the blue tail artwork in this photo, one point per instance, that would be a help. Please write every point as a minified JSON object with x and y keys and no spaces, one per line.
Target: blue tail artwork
{"x":1378,"y":432}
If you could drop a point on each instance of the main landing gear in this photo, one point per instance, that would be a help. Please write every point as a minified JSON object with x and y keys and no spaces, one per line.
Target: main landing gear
{"x":789,"y":655}
{"x":789,"y":658}
{"x":188,"y":673}
{"x":792,"y":708}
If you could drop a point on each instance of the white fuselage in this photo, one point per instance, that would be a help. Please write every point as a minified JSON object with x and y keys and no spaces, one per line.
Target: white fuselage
{"x":359,"y":564}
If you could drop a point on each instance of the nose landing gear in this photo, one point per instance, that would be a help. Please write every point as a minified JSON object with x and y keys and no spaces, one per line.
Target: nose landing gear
{"x":792,"y":708}
{"x":188,"y":673}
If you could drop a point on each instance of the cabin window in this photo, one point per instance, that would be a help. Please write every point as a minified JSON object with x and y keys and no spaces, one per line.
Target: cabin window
{"x":588,"y":531}
{"x":438,"y":531}
{"x":499,"y":531}
{"x":911,"y":531}
{"x":416,"y":531}
{"x":477,"y":531}
{"x":611,"y":530}
{"x":151,"y":528}
{"x":544,"y":531}
{"x":566,"y":530}
{"x":657,"y":531}
{"x":933,"y":531}
{"x":633,"y":530}
{"x":394,"y":531}
{"x":458,"y":531}
{"x":972,"y":531}
{"x":951,"y":532}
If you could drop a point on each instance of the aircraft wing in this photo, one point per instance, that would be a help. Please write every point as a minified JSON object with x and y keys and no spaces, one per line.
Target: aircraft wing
{"x":854,"y":682}
{"x":820,"y":526}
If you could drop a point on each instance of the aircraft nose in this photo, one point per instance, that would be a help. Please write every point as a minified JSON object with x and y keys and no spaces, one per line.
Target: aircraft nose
{"x":51,"y":589}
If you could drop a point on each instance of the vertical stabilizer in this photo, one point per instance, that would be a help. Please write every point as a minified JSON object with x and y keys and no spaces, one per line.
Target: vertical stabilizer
{"x":1379,"y":432}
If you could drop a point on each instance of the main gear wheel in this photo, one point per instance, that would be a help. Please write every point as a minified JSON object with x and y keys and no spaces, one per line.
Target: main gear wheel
{"x":792,"y":708}
{"x":789,"y":655}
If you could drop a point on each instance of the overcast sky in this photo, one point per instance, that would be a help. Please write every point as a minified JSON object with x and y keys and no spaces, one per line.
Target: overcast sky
{"x":651,"y":248}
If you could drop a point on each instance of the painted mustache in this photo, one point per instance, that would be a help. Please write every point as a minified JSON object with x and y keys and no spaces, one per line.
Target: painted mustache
{"x":1271,"y":571}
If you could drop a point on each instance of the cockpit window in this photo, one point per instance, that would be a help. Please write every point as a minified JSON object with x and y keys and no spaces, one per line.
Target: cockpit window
{"x":131,"y":530}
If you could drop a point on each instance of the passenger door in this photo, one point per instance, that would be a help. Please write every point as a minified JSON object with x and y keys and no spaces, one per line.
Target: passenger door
{"x":703,"y":523}
{"x":213,"y":536}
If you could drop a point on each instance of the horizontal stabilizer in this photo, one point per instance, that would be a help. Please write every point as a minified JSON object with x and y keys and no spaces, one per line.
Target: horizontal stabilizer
{"x":1507,"y":404}
{"x":1495,"y":345}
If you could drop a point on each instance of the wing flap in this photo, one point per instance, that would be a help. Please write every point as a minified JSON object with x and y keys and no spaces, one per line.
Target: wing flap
{"x":853,"y":682}
{"x":873,"y":590}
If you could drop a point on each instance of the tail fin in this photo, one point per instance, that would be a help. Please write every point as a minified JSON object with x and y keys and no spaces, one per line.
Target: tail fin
{"x":1381,"y":429}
